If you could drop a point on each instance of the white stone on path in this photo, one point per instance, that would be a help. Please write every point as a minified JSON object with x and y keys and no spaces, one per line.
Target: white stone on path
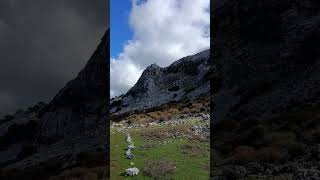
{"x":132,"y":171}
{"x":130,"y":156}
{"x":131,"y":147}
{"x":128,"y":152}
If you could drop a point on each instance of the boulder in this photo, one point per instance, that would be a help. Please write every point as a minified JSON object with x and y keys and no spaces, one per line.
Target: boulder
{"x":130,"y":147}
{"x":128,"y":138}
{"x":130,"y":156}
{"x":132,"y":171}
{"x":128,"y":151}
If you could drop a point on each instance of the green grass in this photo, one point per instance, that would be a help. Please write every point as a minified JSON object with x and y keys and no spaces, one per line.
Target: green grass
{"x":187,"y":166}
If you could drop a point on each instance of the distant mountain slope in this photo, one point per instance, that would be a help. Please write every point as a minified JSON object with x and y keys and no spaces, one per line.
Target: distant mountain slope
{"x":186,"y":78}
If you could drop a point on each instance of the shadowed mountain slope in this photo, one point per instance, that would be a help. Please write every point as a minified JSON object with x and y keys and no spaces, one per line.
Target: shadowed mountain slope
{"x":73,"y":123}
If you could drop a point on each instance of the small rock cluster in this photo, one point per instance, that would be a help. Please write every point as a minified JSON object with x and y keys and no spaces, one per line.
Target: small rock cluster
{"x":203,"y":130}
{"x":183,"y":119}
{"x":133,"y":171}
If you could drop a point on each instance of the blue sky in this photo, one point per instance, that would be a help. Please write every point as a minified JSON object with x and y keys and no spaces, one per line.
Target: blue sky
{"x":120,"y":30}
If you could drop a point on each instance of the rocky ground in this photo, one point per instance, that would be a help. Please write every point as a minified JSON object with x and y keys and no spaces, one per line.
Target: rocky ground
{"x":200,"y":124}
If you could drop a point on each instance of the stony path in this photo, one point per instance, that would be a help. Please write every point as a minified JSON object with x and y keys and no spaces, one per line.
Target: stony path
{"x":132,"y":171}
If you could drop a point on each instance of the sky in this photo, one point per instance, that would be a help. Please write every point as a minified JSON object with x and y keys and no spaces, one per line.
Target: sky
{"x":43,"y":45}
{"x":120,"y":30}
{"x":144,"y":32}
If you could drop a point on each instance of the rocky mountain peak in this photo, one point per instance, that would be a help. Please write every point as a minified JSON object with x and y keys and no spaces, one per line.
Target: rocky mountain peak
{"x":184,"y":79}
{"x":153,"y":66}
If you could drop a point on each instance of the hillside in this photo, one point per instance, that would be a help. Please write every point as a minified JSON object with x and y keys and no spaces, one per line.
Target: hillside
{"x":266,"y":88}
{"x":65,"y":137}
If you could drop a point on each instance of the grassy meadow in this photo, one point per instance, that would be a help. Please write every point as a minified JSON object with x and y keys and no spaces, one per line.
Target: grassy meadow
{"x":159,"y":155}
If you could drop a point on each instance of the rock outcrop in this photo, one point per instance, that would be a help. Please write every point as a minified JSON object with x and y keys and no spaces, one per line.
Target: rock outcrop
{"x":187,"y":78}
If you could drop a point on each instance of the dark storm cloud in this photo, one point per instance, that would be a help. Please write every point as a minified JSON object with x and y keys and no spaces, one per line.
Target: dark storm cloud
{"x":44,"y":44}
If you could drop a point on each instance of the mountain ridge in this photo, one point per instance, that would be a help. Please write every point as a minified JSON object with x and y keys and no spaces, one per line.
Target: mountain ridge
{"x":159,"y":85}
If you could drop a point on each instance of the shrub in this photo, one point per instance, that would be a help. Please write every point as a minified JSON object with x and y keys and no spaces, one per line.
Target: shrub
{"x":185,"y":110}
{"x":165,"y":116}
{"x":159,"y":168}
{"x":194,"y":110}
{"x":155,"y":133}
{"x":193,"y":148}
{"x":174,"y":111}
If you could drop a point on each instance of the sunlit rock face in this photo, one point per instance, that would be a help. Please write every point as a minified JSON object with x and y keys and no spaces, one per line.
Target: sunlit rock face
{"x":186,"y":78}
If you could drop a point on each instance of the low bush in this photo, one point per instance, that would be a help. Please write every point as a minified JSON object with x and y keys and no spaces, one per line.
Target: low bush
{"x":159,"y":169}
{"x":155,"y":133}
{"x":193,"y":148}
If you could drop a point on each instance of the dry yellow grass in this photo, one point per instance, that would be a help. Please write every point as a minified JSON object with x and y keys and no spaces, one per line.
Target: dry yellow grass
{"x":169,"y":111}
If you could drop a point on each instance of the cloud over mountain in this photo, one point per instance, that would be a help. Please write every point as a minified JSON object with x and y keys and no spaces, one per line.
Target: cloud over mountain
{"x":163,"y":31}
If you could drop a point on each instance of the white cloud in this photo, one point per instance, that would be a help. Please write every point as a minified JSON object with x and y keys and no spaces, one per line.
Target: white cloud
{"x":164,"y":31}
{"x":124,"y":74}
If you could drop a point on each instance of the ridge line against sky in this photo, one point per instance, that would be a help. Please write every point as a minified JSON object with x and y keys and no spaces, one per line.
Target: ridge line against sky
{"x":154,"y":31}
